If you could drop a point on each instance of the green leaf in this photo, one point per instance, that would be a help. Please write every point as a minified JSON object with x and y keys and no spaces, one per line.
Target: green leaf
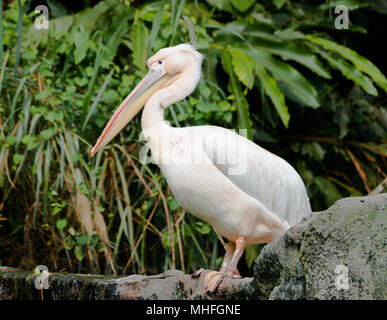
{"x":61,"y":224}
{"x":283,"y":72}
{"x":10,"y":140}
{"x":262,"y":18}
{"x":93,"y":241}
{"x":38,"y":110}
{"x":224,"y":5}
{"x":76,"y":157}
{"x":242,"y":5}
{"x":314,"y":150}
{"x":328,"y":189}
{"x":173,"y":204}
{"x":140,"y":41}
{"x":175,"y":19}
{"x":155,"y":27}
{"x":83,"y":189}
{"x":56,"y":9}
{"x":349,"y":71}
{"x":290,"y":51}
{"x":361,"y":63}
{"x":252,"y":252}
{"x":47,"y":133}
{"x":205,"y":91}
{"x":69,"y":242}
{"x":80,"y":81}
{"x":261,"y":135}
{"x":244,"y":67}
{"x":114,"y":41}
{"x":53,"y":116}
{"x":81,"y":46}
{"x":57,"y":207}
{"x":262,"y":33}
{"x":207,"y":107}
{"x":17,"y":158}
{"x":110,"y":96}
{"x":244,"y":121}
{"x":278,"y":3}
{"x":276,"y":96}
{"x":88,"y":18}
{"x":30,"y":141}
{"x":289,"y":34}
{"x":42,"y":95}
{"x":71,"y":231}
{"x":62,"y":25}
{"x":203,"y":227}
{"x":233,"y":28}
{"x":82,"y":239}
{"x":79,"y":253}
{"x":350,"y":4}
{"x":89,"y":71}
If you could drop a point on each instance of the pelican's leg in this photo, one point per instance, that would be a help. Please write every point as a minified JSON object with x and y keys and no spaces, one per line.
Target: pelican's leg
{"x":229,"y":254}
{"x":226,"y":260}
{"x":213,"y":279}
{"x":240,"y":245}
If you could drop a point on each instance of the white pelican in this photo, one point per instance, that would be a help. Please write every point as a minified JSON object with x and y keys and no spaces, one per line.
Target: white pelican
{"x":246,"y":193}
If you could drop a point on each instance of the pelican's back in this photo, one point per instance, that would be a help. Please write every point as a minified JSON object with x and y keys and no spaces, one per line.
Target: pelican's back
{"x":259,"y":173}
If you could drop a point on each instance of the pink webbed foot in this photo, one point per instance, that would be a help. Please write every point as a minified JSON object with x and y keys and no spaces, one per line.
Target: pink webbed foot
{"x":212,"y":279}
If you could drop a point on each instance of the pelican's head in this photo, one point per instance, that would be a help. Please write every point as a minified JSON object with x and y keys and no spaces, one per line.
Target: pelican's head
{"x":175,"y":59}
{"x":173,"y":71}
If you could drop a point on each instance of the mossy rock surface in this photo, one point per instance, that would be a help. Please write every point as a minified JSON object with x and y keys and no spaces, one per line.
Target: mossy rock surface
{"x":339,"y":253}
{"x":171,"y":285}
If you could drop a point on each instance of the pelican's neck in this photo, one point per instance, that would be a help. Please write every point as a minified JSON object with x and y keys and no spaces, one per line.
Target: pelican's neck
{"x":153,"y":114}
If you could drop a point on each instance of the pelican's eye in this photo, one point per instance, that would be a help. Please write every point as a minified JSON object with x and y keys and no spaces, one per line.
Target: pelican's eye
{"x":160,"y":62}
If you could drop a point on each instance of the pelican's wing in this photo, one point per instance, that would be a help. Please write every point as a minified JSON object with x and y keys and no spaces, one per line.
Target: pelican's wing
{"x":259,"y":173}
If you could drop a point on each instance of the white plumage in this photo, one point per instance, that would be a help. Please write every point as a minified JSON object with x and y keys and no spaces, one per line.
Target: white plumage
{"x":259,"y":200}
{"x":246,"y":193}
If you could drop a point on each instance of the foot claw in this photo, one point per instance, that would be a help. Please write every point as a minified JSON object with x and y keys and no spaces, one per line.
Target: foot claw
{"x":213,"y":279}
{"x":198,"y":273}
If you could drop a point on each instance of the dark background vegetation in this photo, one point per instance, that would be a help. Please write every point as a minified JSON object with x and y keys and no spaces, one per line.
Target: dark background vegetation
{"x":277,"y":68}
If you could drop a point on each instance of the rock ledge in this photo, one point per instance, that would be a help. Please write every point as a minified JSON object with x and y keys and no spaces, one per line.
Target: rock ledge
{"x":339,"y":253}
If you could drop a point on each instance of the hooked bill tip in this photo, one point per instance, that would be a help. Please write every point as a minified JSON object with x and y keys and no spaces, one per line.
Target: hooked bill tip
{"x":91,"y":153}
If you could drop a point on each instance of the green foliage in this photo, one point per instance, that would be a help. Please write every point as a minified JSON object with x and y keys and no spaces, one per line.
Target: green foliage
{"x":270,"y":68}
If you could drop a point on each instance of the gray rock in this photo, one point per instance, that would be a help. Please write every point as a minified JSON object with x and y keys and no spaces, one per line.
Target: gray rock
{"x":16,"y":284}
{"x":176,"y":285}
{"x":339,"y":253}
